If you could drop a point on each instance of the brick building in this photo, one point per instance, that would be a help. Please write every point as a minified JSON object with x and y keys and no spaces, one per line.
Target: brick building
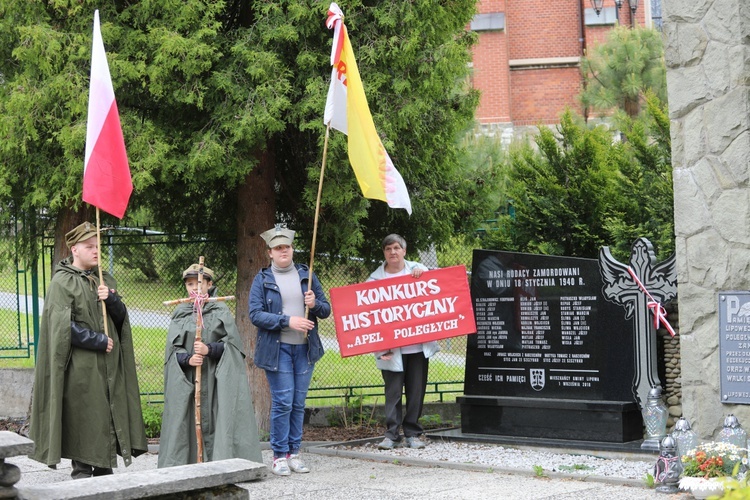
{"x":527,"y":60}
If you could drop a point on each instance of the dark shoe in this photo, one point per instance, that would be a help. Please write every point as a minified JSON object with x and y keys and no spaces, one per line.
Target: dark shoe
{"x":102,"y":471}
{"x":81,"y":470}
{"x":414,"y":442}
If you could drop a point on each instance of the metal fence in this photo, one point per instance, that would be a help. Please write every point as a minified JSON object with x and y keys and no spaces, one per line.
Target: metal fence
{"x":16,"y":309}
{"x":147,"y":266}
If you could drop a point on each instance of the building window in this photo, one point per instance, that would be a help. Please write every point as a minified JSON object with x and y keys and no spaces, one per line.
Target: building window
{"x":488,"y":22}
{"x":656,"y":14}
{"x":607,"y":17}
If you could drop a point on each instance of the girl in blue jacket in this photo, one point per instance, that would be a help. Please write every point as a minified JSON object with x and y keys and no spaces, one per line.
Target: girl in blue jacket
{"x":288,"y":342}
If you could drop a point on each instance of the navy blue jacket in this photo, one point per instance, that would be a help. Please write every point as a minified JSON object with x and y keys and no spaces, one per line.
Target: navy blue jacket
{"x":266,"y":314}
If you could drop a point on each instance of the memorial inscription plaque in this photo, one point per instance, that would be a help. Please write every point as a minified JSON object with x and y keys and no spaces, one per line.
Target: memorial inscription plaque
{"x":551,"y":358}
{"x":734,"y":347}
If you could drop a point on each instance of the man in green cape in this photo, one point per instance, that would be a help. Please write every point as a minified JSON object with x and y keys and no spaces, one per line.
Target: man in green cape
{"x":227,"y":415}
{"x":86,"y":404}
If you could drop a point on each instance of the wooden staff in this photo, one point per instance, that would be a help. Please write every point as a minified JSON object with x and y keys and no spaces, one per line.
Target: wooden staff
{"x":188,"y":299}
{"x":317,"y":211}
{"x":199,"y":369}
{"x":101,"y":274}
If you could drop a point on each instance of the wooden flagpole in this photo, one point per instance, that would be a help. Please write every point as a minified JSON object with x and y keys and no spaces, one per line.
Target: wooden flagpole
{"x":317,"y":212}
{"x":101,"y":274}
{"x":199,"y":369}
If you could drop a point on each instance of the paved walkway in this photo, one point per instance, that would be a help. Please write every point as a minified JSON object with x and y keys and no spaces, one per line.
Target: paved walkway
{"x":358,"y":476}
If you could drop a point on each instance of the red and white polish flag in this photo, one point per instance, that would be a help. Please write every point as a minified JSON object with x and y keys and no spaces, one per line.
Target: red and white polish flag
{"x":106,"y":175}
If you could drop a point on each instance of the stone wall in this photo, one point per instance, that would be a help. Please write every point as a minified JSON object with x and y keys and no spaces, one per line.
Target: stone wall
{"x":707,"y":49}
{"x":15,"y":392}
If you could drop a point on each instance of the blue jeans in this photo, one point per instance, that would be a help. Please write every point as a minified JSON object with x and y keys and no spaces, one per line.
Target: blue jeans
{"x":288,"y":392}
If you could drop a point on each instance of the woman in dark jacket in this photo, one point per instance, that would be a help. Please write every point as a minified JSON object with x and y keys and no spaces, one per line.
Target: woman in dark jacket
{"x":288,"y":342}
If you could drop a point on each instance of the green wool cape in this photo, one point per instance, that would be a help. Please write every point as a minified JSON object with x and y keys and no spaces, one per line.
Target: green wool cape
{"x":86,"y":404}
{"x":227,"y":414}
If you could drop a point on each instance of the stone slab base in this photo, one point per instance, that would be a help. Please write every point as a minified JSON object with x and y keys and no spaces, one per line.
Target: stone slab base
{"x":570,"y":420}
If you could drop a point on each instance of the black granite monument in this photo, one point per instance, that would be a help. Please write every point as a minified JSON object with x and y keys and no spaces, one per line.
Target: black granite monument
{"x":552,"y":358}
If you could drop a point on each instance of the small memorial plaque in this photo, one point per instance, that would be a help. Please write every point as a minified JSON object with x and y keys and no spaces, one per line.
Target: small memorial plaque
{"x":734,"y":347}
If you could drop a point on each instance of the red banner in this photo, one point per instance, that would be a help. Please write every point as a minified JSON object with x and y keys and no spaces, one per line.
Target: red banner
{"x":394,"y":312}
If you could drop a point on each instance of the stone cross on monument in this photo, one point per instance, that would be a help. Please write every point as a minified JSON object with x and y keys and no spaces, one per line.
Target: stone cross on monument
{"x":641,"y":288}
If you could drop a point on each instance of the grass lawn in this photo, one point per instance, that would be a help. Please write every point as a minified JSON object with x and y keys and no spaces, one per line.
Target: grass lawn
{"x":15,"y":351}
{"x":149,"y":345}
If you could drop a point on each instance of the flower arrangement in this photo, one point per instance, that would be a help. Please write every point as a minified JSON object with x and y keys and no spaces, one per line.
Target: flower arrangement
{"x":708,"y":467}
{"x":714,"y":459}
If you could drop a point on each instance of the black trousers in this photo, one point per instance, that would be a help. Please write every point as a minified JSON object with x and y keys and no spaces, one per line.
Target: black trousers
{"x":412,"y":382}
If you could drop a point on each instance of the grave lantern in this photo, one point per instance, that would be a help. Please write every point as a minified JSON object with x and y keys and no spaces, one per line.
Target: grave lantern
{"x":685,"y":438}
{"x":732,"y":432}
{"x":668,"y":467}
{"x":655,"y":415}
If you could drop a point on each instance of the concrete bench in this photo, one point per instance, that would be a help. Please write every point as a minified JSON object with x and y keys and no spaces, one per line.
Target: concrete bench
{"x":11,"y":445}
{"x":176,"y":482}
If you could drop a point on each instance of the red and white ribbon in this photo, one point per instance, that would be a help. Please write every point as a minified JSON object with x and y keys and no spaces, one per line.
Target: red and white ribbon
{"x":335,"y":21}
{"x":199,"y":299}
{"x":669,"y":465}
{"x":660,"y":314}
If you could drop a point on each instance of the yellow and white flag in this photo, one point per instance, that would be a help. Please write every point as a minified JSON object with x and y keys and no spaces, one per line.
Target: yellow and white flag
{"x":347,"y":111}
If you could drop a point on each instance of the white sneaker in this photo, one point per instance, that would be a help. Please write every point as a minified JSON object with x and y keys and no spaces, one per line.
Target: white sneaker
{"x":387,"y":444}
{"x":280,"y":467}
{"x":296,"y":464}
{"x":414,"y":442}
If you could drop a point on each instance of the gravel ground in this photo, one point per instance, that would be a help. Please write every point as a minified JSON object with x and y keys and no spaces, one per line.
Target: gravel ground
{"x":503,"y":457}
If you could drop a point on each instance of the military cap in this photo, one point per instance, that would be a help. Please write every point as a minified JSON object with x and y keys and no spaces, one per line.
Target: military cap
{"x":80,"y":233}
{"x":279,"y":235}
{"x":192,"y":272}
